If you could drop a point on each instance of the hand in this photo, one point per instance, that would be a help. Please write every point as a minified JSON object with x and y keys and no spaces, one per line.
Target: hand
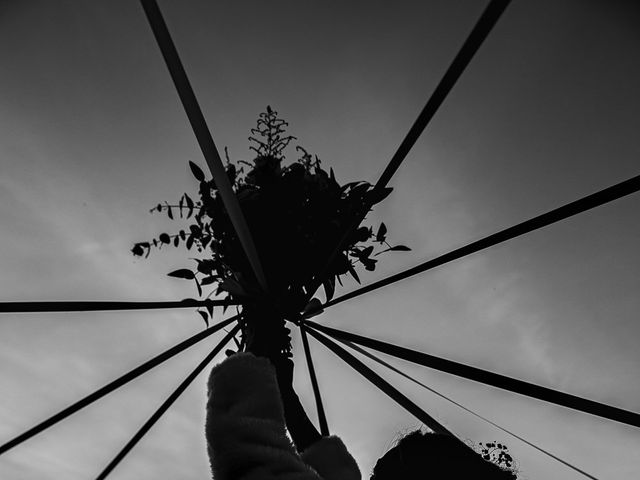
{"x":268,"y":338}
{"x":257,"y":341}
{"x":303,"y":432}
{"x":284,"y":373}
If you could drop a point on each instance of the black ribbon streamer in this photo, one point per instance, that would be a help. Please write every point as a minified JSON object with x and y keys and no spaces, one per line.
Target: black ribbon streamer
{"x":488,"y":378}
{"x":165,"y":405}
{"x":203,"y":135}
{"x":597,"y":199}
{"x":98,"y":306}
{"x":472,"y":44}
{"x":322,"y":418}
{"x":477,"y":415}
{"x":117,"y":383}
{"x":382,"y":384}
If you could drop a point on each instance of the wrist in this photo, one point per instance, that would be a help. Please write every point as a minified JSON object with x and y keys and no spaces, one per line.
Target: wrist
{"x":286,"y":390}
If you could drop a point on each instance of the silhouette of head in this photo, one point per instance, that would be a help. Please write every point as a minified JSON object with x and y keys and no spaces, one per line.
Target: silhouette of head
{"x":439,"y":457}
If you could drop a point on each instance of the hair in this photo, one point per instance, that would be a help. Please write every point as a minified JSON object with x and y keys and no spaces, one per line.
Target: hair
{"x":418,"y":455}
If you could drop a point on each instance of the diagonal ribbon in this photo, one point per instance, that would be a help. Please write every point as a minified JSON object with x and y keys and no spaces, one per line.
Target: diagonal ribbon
{"x":203,"y":135}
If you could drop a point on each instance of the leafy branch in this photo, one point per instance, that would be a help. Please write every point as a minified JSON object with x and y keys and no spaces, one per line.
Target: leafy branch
{"x":185,"y":203}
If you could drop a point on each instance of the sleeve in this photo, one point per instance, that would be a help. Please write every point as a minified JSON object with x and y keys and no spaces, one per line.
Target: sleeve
{"x":331,"y":459}
{"x":245,"y":426}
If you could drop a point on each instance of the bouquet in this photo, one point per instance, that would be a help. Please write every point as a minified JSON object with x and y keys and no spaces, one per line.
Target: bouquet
{"x":297,"y":215}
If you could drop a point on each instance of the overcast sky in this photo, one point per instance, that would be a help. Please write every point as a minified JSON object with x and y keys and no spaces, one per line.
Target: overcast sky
{"x":92,"y":135}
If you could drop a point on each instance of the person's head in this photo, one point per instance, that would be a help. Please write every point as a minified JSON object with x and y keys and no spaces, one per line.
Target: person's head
{"x":428,"y":455}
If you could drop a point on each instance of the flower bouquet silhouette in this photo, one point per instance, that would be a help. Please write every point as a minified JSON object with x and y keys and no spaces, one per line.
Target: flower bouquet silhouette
{"x":297,"y":215}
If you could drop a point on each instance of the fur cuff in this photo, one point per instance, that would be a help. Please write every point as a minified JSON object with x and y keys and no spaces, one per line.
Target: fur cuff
{"x":245,"y":385}
{"x":331,"y":459}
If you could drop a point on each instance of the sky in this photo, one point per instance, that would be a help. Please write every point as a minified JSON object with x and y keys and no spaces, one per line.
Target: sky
{"x":92,"y":135}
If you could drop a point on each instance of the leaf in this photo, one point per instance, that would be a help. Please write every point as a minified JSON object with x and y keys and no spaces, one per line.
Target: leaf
{"x":199,"y":287}
{"x":382,"y":232}
{"x":169,"y":212}
{"x":197,"y":172}
{"x":234,"y":288}
{"x":180,"y":205}
{"x":362,"y":253}
{"x":208,"y":280}
{"x":182,"y":273}
{"x":329,"y":288}
{"x":209,"y":307}
{"x":369,"y":265}
{"x":397,"y":248}
{"x":164,"y":238}
{"x":353,"y":273}
{"x":376,"y":196}
{"x":176,"y":240}
{"x":206,"y":266}
{"x":360,"y":191}
{"x":190,"y":241}
{"x":138,"y":249}
{"x":183,"y":235}
{"x":204,"y":316}
{"x":362,"y":234}
{"x":189,"y":202}
{"x":313,"y":308}
{"x":351,"y":185}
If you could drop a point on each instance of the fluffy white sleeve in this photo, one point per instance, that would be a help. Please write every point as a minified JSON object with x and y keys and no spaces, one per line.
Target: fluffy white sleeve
{"x":245,"y":430}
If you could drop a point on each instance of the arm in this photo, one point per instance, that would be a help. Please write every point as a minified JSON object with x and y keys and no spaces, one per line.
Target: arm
{"x":303,"y":432}
{"x":262,"y":343}
{"x":326,"y":455}
{"x":245,"y":426}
